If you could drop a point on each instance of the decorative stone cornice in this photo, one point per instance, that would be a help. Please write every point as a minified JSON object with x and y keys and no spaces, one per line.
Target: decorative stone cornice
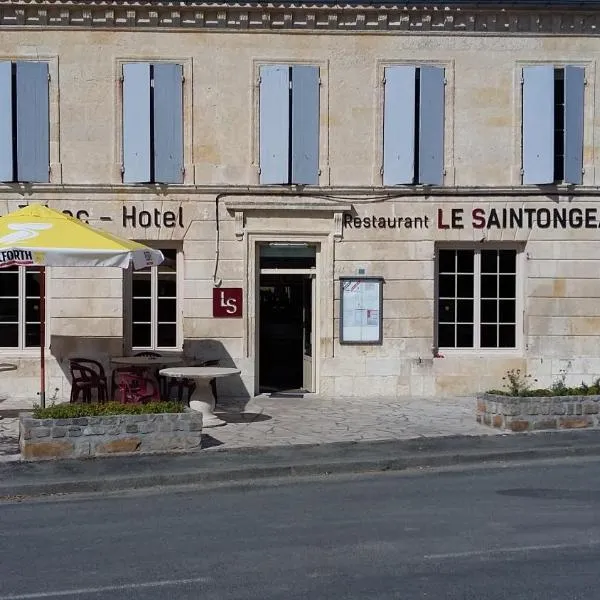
{"x":435,"y":18}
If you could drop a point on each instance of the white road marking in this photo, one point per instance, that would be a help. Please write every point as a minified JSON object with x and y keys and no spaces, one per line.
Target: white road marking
{"x":509,"y":550}
{"x":108,"y":588}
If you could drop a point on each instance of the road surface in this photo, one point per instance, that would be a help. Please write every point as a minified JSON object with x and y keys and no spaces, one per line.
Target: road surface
{"x":522,"y":531}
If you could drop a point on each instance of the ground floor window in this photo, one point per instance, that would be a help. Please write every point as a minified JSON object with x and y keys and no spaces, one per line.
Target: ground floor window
{"x":477,"y":298}
{"x":20,"y":307}
{"x":153,"y":314}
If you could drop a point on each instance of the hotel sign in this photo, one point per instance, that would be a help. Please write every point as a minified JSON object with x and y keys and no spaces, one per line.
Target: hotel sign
{"x":131,"y":216}
{"x":227,"y":302}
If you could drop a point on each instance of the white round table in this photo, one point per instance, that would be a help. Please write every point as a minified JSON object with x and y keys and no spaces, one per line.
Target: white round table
{"x":202,"y":399}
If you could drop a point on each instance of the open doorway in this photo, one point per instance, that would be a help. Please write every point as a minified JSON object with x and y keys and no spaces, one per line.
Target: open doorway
{"x":286,"y":317}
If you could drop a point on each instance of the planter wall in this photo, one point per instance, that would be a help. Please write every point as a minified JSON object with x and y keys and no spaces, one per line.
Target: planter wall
{"x":113,"y":434}
{"x":535,"y":414}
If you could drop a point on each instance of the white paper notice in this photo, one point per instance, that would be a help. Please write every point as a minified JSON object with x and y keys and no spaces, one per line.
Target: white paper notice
{"x":361,"y":318}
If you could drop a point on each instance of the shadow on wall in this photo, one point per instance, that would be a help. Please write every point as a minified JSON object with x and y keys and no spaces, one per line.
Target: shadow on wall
{"x":102,"y":349}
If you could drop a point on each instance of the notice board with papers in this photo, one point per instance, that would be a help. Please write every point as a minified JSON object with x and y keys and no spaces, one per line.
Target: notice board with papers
{"x":361,"y":308}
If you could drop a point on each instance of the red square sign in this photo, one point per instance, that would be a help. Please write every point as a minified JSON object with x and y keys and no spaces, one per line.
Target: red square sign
{"x":227,"y":302}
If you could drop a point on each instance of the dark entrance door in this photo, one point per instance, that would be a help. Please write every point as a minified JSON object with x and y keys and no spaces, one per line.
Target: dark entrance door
{"x":281,"y":332}
{"x":285,"y":335}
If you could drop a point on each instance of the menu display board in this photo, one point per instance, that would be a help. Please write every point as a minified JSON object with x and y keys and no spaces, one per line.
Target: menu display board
{"x":361,"y":307}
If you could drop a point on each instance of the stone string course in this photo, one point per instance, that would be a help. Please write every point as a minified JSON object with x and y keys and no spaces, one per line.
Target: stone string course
{"x":535,"y":414}
{"x":96,"y":436}
{"x":314,"y":16}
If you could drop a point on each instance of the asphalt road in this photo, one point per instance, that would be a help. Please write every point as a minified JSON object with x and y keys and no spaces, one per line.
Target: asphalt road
{"x":522,"y":531}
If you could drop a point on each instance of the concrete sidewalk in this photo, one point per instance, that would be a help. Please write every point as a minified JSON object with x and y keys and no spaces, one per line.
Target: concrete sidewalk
{"x":282,"y":437}
{"x":266,"y":421}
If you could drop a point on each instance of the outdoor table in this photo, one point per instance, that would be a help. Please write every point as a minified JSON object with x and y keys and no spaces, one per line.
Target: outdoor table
{"x":202,"y":399}
{"x":146,"y":361}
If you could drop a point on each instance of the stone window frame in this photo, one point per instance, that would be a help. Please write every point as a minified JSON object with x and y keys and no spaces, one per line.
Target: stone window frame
{"x":521,"y":280}
{"x":589,"y":175}
{"x":53,"y":115}
{"x":449,"y":67}
{"x":324,"y":162}
{"x":187,"y":91}
{"x":127,"y":290}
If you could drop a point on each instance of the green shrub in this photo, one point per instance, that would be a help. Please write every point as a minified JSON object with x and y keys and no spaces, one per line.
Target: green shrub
{"x":518,"y":384}
{"x":68,"y":411}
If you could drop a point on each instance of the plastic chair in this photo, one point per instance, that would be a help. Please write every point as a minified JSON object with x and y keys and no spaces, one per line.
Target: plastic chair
{"x":135,"y":387}
{"x":162,"y":382}
{"x":115,"y":379}
{"x":189,"y":385}
{"x":87,"y":375}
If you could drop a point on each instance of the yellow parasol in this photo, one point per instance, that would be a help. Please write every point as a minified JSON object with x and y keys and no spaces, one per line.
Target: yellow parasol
{"x":40,"y":236}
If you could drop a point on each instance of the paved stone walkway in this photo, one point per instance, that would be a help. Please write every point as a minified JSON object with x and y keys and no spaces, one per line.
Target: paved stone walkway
{"x":266,"y":421}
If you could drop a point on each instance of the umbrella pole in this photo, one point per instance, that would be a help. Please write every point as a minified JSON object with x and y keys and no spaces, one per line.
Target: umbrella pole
{"x":43,"y":337}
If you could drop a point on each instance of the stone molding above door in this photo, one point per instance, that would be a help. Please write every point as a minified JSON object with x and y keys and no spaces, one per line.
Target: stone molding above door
{"x":287,"y":208}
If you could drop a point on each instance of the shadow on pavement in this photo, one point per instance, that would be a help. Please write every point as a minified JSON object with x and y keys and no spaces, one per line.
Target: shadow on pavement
{"x":244,"y":417}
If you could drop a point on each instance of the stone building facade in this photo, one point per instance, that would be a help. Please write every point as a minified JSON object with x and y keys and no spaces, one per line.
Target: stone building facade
{"x":434,"y":164}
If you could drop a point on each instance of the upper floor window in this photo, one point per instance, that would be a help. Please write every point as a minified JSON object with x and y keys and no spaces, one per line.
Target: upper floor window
{"x":413,"y":125}
{"x":20,"y":307}
{"x":24,"y":122}
{"x":289,"y":124}
{"x":553,"y":124}
{"x":477,"y":298}
{"x":152,"y":123}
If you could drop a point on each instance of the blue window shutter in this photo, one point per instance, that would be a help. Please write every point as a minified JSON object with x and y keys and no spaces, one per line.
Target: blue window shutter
{"x":399,"y":125}
{"x":33,"y":129}
{"x":136,"y":122}
{"x":431,"y":126}
{"x":274,"y":123}
{"x":574,"y":86}
{"x":6,"y":122}
{"x":305,"y":125}
{"x":538,"y":124}
{"x":168,"y":123}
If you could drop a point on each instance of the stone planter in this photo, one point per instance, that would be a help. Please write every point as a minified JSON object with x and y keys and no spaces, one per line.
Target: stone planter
{"x":80,"y":437}
{"x":535,"y":414}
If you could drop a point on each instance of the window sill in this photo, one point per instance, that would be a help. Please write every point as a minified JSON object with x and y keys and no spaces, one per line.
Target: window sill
{"x":484,"y":352}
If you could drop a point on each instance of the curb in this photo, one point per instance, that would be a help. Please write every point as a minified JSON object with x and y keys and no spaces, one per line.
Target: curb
{"x":29,"y":479}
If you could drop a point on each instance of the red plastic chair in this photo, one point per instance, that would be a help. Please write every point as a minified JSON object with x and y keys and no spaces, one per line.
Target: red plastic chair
{"x":135,"y":387}
{"x":87,"y":375}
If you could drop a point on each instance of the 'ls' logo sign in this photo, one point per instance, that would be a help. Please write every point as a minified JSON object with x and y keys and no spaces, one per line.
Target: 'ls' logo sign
{"x":227,"y":302}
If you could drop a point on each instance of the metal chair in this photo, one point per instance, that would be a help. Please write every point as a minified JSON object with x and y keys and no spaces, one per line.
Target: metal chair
{"x":87,"y":375}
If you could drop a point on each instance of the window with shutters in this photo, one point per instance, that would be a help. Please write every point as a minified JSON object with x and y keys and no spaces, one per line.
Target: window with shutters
{"x":478,"y":298}
{"x":413,"y":125}
{"x":289,"y":124}
{"x":153,"y":314}
{"x":552,"y":124}
{"x":20,"y":307}
{"x":152,"y":123}
{"x":24,"y":122}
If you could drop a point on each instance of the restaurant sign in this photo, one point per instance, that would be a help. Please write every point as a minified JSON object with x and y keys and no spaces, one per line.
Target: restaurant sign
{"x":481,"y":218}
